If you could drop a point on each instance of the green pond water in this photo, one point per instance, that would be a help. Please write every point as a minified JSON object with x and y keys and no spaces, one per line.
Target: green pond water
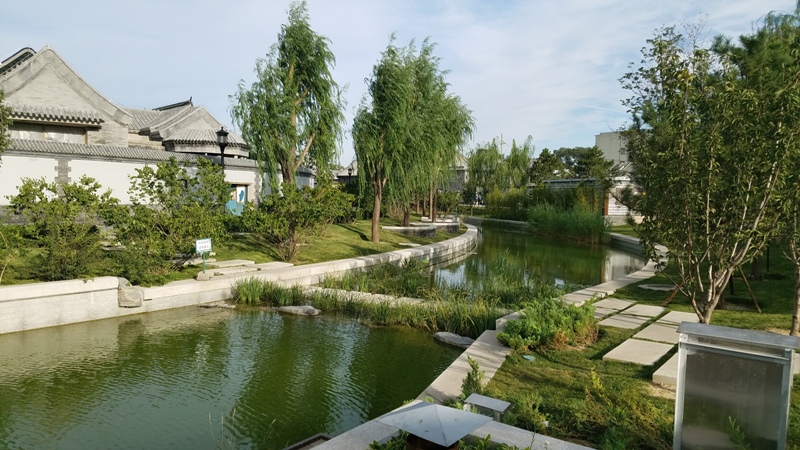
{"x":197,"y":378}
{"x":556,"y":261}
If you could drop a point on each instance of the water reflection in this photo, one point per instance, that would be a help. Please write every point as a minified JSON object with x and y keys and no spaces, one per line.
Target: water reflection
{"x":556,"y":262}
{"x":198,"y":378}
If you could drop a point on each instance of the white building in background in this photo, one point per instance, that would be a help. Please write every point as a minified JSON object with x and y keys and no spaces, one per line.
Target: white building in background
{"x":63,"y":128}
{"x":612,"y":144}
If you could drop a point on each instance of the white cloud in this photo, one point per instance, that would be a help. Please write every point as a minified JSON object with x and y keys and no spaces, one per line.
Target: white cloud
{"x":524,"y":67}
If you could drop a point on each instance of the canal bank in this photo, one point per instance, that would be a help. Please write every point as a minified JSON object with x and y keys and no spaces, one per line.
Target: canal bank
{"x":41,"y":305}
{"x":490,"y":354}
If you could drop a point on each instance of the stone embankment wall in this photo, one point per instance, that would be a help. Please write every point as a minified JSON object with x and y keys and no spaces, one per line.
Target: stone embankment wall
{"x":39,"y":305}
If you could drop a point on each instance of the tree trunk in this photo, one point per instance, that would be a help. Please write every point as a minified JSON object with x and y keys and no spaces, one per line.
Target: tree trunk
{"x":431,"y":206}
{"x":755,"y":269}
{"x":793,"y":251}
{"x":407,"y":216}
{"x":376,"y":212}
{"x":711,"y":298}
{"x":795,"y":331}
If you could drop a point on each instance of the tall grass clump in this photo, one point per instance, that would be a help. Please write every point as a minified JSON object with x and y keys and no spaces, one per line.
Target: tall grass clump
{"x":577,"y":224}
{"x":408,"y":279}
{"x":551,"y":324}
{"x":461,"y":317}
{"x":255,"y":292}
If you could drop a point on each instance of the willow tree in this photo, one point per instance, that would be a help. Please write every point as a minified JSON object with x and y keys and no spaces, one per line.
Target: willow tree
{"x":710,"y":153}
{"x":406,"y":127}
{"x":292,"y":114}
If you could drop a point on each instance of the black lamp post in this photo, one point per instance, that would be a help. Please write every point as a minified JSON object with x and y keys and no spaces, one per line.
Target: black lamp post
{"x":222,"y":140}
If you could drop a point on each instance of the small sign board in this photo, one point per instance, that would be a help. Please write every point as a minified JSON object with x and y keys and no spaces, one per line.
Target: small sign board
{"x":202,"y":245}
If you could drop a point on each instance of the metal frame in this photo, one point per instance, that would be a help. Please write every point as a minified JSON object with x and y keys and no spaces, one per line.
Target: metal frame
{"x":786,"y":345}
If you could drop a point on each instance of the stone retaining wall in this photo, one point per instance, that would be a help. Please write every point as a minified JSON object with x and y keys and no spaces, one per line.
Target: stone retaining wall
{"x":39,"y":305}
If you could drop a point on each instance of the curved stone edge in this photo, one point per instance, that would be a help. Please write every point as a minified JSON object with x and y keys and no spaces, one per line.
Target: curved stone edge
{"x":41,"y":305}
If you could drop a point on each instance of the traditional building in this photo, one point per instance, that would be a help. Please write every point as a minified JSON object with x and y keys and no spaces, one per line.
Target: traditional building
{"x":63,"y":128}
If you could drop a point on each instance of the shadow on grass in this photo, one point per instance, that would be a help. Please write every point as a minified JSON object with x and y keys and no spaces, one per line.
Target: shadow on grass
{"x":355,"y":230}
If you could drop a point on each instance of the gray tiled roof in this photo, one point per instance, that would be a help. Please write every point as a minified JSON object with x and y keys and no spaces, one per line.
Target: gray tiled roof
{"x":142,"y":117}
{"x":189,"y":136}
{"x":16,"y":59}
{"x":112,"y":152}
{"x":50,"y":114}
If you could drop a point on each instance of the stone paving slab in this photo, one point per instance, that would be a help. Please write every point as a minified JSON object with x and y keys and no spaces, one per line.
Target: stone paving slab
{"x":486,"y":350}
{"x":624,"y":321}
{"x":634,"y":351}
{"x":645,"y":310}
{"x":229,"y":263}
{"x":676,"y":317}
{"x":601,"y":312}
{"x":659,"y":332}
{"x":578,"y":298}
{"x":613,"y":303}
{"x":667,"y":374}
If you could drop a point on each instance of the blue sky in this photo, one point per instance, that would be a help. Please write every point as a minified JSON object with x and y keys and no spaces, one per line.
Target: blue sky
{"x":543,"y":68}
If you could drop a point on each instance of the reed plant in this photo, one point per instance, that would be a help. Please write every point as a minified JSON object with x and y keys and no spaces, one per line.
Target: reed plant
{"x":579,"y":223}
{"x":255,"y":292}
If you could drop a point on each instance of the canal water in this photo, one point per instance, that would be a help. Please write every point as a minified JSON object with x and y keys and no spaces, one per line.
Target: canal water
{"x":556,"y":262}
{"x":197,"y":378}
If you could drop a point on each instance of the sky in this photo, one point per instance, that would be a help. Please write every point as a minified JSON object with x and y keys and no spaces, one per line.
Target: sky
{"x":541,"y":68}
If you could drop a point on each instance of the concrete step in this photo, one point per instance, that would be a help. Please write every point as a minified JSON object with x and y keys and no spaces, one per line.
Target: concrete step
{"x":667,"y":374}
{"x":273,"y":265}
{"x":229,"y":263}
{"x":233,"y":270}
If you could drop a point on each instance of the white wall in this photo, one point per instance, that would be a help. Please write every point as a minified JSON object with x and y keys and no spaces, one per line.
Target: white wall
{"x":114,"y":175}
{"x":111,"y":174}
{"x":14,"y":168}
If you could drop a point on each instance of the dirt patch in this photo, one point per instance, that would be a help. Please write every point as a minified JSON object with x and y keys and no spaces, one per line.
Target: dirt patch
{"x":657,"y":390}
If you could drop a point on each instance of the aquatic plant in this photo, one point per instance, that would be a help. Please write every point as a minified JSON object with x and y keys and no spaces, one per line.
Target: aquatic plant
{"x":577,"y":224}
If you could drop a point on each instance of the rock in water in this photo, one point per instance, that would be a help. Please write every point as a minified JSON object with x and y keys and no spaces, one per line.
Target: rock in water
{"x":300,"y":310}
{"x":453,"y":339}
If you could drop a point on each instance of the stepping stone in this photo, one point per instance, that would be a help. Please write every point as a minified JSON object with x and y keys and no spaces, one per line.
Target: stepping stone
{"x":676,"y":317}
{"x":273,"y":265}
{"x":624,"y":321}
{"x":577,"y":298}
{"x":634,"y":351}
{"x":601,"y":312}
{"x":613,"y":303}
{"x":667,"y":374}
{"x":409,"y":244}
{"x":660,"y":333}
{"x":229,"y":263}
{"x":645,"y":310}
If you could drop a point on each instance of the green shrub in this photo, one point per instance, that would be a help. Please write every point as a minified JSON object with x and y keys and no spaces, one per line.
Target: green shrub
{"x":620,"y":418}
{"x":170,"y":210}
{"x":64,"y":219}
{"x":473,"y":382}
{"x":550,"y":323}
{"x":288,"y":219}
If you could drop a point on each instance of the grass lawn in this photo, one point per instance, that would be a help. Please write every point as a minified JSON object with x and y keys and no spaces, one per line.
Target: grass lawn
{"x":599,"y":403}
{"x":624,"y":229}
{"x":339,"y":242}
